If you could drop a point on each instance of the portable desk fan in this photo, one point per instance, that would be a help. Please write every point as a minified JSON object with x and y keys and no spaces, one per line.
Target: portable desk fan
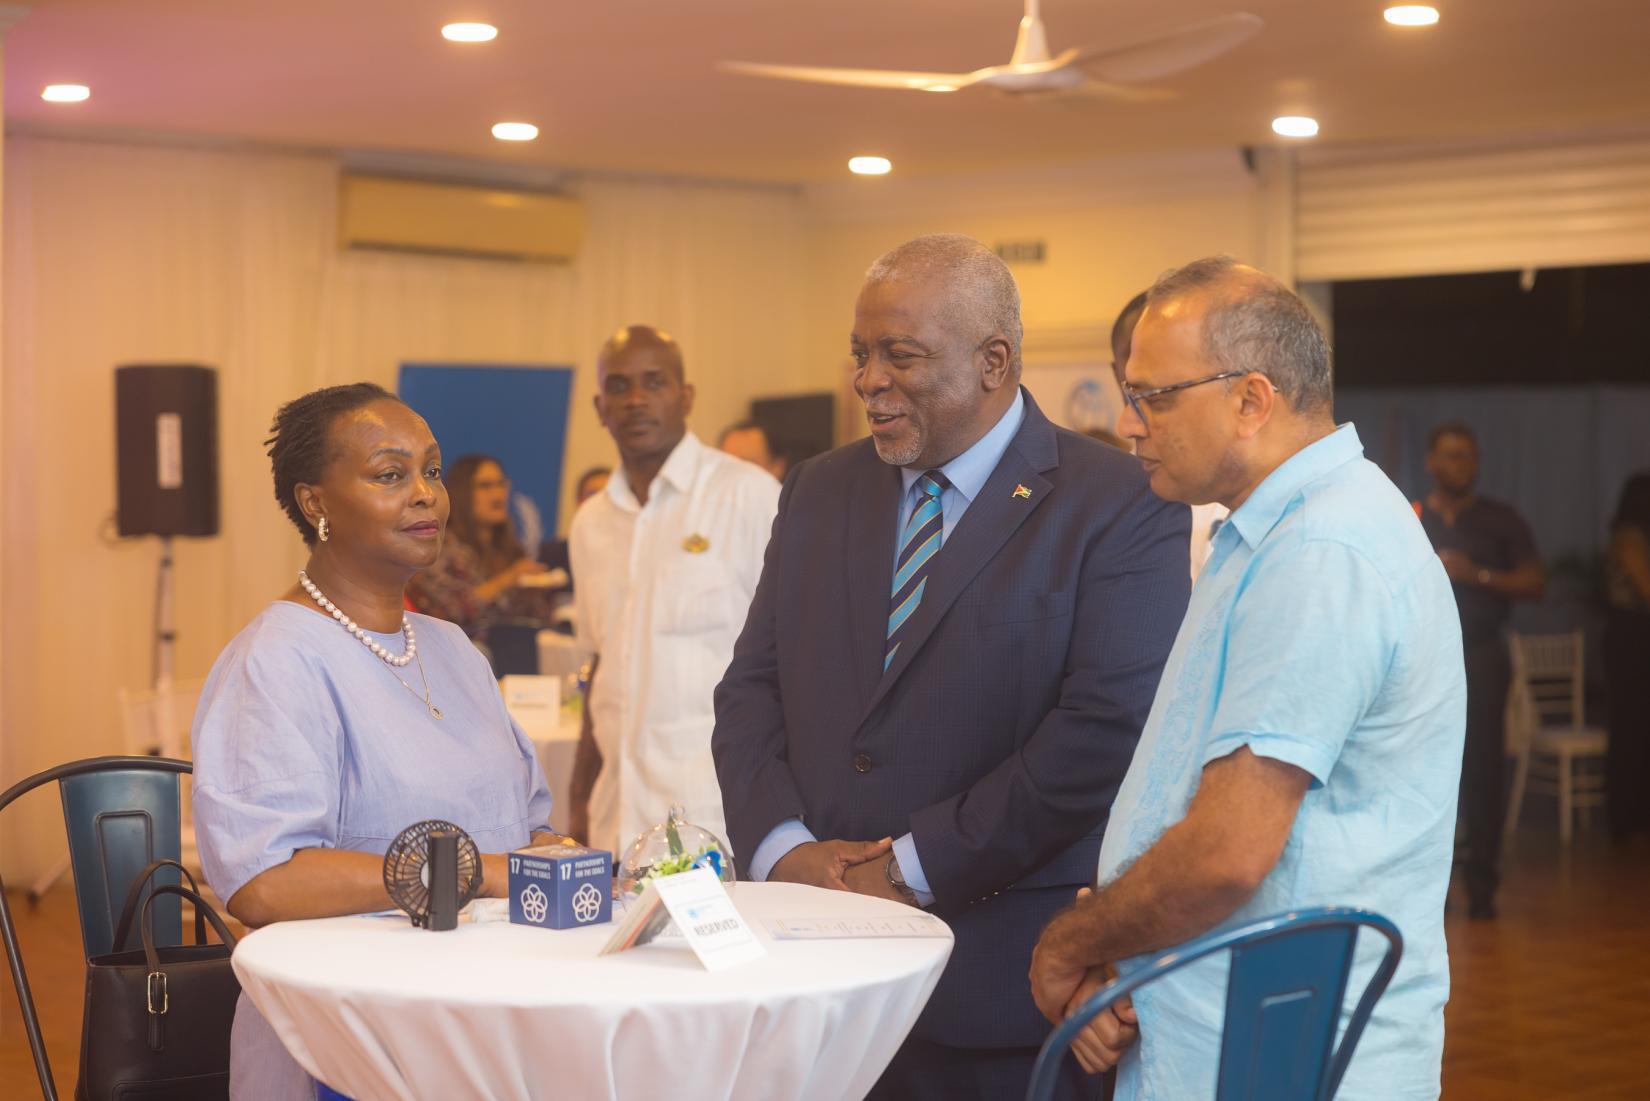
{"x":431,"y":870}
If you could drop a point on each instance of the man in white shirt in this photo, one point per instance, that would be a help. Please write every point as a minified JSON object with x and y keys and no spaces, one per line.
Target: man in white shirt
{"x":667,"y":558}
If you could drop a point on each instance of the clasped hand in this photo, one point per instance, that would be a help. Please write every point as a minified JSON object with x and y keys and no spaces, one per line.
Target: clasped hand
{"x":1060,"y":988}
{"x":856,"y":866}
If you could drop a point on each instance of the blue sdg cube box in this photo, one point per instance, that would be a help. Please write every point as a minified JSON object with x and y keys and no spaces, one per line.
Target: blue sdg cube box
{"x":561,"y":886}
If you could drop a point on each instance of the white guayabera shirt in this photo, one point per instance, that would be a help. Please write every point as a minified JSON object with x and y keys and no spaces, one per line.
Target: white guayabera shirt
{"x":661,"y":591}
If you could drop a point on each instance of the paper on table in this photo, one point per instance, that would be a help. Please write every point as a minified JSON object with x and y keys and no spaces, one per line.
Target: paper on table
{"x":917,"y":925}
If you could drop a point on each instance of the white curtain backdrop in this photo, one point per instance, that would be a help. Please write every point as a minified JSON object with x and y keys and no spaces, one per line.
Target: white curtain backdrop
{"x":129,"y":253}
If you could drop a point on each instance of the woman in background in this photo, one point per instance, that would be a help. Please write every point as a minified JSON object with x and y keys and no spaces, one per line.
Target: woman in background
{"x":335,"y":719}
{"x":1627,"y":661}
{"x":479,"y":578}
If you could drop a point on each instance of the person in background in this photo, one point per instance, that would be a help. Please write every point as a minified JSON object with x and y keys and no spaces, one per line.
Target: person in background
{"x":335,"y":719}
{"x":1206,"y":517}
{"x":959,"y":627}
{"x":1627,"y":661}
{"x":1304,"y":744}
{"x":749,"y":441}
{"x":553,"y":552}
{"x":590,"y":483}
{"x":479,"y":579}
{"x":1108,"y":437}
{"x":667,"y":558}
{"x":1490,"y":556}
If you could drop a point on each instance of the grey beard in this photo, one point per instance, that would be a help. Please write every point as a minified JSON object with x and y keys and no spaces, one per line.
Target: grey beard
{"x":894,"y":455}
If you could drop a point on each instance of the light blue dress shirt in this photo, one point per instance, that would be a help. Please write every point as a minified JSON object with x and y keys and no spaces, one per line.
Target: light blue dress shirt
{"x":967,"y":474}
{"x":304,"y":739}
{"x":1323,"y":633}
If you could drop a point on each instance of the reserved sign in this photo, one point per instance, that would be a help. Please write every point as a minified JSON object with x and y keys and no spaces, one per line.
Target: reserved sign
{"x":703,"y":913}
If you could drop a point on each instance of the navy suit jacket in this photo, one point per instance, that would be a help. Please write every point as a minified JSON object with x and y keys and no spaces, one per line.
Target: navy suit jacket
{"x":1000,"y":734}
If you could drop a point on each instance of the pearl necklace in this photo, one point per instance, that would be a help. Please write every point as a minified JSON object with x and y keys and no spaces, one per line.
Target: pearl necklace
{"x":394,"y":661}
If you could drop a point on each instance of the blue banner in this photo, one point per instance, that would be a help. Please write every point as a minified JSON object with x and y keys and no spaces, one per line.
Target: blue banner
{"x":516,"y":414}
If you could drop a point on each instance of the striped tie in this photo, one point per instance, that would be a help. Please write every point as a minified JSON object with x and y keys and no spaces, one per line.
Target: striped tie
{"x":916,"y":551}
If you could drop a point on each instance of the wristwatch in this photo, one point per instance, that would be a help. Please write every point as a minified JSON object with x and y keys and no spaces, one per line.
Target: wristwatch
{"x":896,"y":880}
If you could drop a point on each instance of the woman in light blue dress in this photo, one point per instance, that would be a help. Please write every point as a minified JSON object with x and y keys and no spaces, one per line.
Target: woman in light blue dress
{"x":335,"y":719}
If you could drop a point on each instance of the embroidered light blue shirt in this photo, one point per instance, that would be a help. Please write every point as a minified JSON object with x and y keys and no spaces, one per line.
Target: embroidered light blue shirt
{"x":1323,"y":633}
{"x":967,"y":474}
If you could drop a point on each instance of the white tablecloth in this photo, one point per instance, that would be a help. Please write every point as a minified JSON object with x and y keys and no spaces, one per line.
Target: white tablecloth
{"x":380,"y":1010}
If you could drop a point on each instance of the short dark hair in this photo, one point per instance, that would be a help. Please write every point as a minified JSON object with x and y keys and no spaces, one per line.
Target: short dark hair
{"x":1256,"y":323}
{"x":592,"y":472}
{"x":1127,"y":318}
{"x":299,"y":444}
{"x":1633,"y":508}
{"x":1451,"y":428}
{"x":743,"y":426}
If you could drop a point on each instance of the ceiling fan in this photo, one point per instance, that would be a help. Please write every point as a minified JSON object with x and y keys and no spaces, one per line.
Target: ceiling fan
{"x":1094,"y":70}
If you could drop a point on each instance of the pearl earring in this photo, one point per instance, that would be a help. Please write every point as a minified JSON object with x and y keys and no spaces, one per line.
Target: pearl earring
{"x":321,"y":529}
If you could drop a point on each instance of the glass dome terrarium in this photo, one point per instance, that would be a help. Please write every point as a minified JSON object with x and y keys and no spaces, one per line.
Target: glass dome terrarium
{"x":675,"y":845}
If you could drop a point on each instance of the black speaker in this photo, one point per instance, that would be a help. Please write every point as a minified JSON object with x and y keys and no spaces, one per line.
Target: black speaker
{"x":166,"y":449}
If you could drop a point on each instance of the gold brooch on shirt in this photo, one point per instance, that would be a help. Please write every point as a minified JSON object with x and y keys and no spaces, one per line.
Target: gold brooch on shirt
{"x":1022,"y":493}
{"x":696,"y":544}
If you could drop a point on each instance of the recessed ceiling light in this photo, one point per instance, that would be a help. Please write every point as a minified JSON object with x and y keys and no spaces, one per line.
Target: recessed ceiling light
{"x":1295,"y":126}
{"x":66,"y":93}
{"x":515,"y":131}
{"x":1411,"y":15}
{"x":870,"y":166}
{"x":469,"y":32}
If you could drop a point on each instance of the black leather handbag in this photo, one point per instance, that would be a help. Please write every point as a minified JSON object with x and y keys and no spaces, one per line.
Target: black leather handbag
{"x":157,"y":1020}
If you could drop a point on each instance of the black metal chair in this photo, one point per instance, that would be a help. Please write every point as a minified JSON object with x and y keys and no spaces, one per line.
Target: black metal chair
{"x":121,"y":813}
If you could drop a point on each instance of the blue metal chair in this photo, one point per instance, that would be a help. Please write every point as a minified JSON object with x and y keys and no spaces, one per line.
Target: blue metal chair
{"x":121,"y":814}
{"x":1283,"y":1003}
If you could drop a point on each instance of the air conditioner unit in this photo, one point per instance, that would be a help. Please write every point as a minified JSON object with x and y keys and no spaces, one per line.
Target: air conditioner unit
{"x":451,"y":219}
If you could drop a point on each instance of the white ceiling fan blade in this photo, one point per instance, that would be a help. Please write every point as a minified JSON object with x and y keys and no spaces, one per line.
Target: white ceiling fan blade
{"x":857,"y":78}
{"x":1167,"y":54}
{"x":1121,"y":93}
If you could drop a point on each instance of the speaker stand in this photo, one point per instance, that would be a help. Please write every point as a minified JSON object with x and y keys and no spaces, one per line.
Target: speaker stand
{"x":166,"y":637}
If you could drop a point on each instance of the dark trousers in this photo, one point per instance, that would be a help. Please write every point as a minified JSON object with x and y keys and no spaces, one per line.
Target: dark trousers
{"x":1483,"y":805}
{"x":925,"y":1071}
{"x":1627,"y":768}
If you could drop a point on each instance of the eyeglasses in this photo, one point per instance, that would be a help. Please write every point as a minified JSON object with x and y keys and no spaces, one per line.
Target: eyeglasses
{"x":1139,"y":399}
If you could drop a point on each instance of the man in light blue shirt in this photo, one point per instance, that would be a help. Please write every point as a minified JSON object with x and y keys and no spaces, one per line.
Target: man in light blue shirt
{"x":1304,"y":748}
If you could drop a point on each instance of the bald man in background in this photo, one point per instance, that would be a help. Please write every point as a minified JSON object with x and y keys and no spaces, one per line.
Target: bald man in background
{"x":667,"y":556}
{"x":959,"y":627}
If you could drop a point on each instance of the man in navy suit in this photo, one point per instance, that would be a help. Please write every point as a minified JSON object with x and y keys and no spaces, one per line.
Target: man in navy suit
{"x":951,"y":652}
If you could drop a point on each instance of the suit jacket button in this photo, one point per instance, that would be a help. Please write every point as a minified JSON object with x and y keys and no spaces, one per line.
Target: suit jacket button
{"x":862,"y":762}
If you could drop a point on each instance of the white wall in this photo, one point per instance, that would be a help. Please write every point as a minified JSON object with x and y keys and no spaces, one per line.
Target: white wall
{"x":117,"y":254}
{"x":1110,"y":228}
{"x":131,"y":253}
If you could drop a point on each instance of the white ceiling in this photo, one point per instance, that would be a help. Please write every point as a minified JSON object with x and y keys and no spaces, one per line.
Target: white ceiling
{"x":630,"y":85}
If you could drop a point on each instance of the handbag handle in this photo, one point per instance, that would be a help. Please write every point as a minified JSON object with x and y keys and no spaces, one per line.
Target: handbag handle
{"x":202,"y":909}
{"x":123,"y":928}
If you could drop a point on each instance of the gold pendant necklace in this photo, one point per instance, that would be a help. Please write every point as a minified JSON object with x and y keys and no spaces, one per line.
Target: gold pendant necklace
{"x":433,"y":709}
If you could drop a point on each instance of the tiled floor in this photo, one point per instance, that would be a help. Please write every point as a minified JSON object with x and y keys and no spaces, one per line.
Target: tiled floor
{"x":1551,"y":1002}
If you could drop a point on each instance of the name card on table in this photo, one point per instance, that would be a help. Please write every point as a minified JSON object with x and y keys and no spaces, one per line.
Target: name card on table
{"x":699,"y":905}
{"x":534,"y":702}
